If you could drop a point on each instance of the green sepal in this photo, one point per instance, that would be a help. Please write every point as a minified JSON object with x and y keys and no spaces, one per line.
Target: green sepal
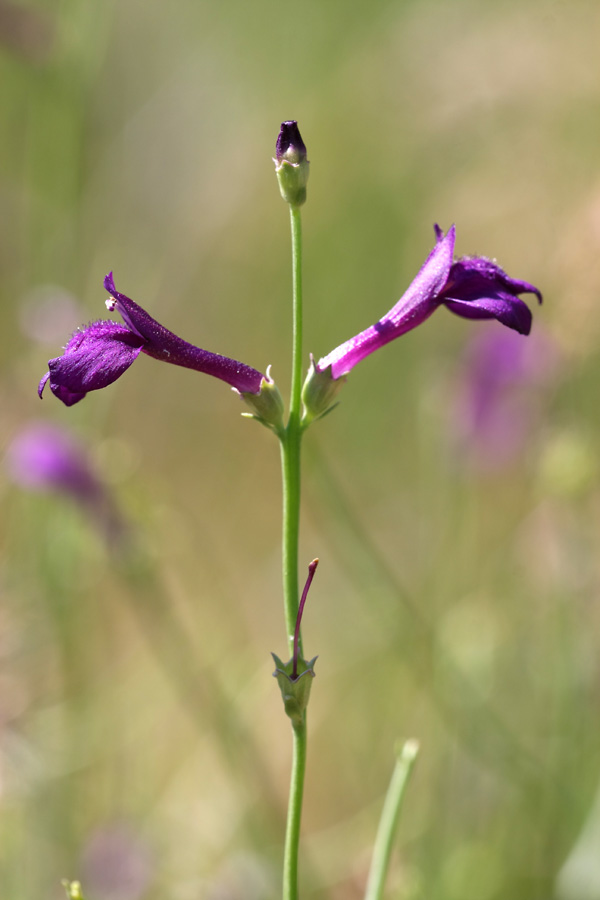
{"x":292,"y":178}
{"x":73,"y":890}
{"x":319,"y":392}
{"x":294,"y":691}
{"x":267,"y":406}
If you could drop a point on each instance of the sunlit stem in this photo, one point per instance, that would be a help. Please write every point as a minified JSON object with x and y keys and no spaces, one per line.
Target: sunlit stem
{"x":290,"y":445}
{"x":290,"y":462}
{"x":388,"y":823}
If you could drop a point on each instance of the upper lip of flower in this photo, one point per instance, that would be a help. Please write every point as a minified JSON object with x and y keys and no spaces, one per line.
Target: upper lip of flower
{"x":472,"y":287}
{"x":98,"y":354}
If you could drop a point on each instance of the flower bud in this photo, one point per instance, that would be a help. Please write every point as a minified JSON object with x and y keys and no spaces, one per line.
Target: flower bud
{"x":291,"y":164}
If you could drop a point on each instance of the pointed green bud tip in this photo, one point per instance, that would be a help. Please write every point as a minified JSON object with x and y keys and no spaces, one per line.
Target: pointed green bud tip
{"x":73,"y":890}
{"x":319,"y":392}
{"x":267,"y":405}
{"x":295,"y":689}
{"x":291,"y":164}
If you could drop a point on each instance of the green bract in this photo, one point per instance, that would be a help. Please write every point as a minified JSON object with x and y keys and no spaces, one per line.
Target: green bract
{"x":295,"y":691}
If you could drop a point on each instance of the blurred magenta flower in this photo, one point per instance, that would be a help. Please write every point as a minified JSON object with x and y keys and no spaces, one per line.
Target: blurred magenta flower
{"x":99,"y":353}
{"x":499,"y":395}
{"x":45,"y":457}
{"x":472,"y":287}
{"x":117,"y":864}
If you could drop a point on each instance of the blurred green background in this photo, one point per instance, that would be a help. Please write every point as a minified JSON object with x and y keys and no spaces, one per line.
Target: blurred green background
{"x":143,"y":744}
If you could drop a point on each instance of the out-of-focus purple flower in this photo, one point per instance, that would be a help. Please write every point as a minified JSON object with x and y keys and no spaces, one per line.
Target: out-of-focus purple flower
{"x":98,"y":354}
{"x":117,"y":864}
{"x":499,"y":395}
{"x":45,"y":457}
{"x":472,"y":287}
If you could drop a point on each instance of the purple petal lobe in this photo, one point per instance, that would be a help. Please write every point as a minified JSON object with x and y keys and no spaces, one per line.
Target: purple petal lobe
{"x":472,"y":277}
{"x":417,"y":304}
{"x":160,"y":343}
{"x":94,"y":358}
{"x":510,"y":311}
{"x":478,"y":288}
{"x":42,"y":384}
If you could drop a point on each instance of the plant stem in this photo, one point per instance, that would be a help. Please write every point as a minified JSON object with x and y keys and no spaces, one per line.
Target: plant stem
{"x":389,"y":821}
{"x":290,"y":465}
{"x":290,"y":445}
{"x":292,"y":835}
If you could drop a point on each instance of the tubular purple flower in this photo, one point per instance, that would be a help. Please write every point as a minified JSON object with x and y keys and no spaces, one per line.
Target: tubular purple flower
{"x":471,"y":287}
{"x":499,"y":396}
{"x":43,"y":457}
{"x":99,"y":353}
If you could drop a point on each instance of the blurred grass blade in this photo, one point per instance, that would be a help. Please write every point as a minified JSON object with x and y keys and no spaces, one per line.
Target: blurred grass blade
{"x":388,"y":822}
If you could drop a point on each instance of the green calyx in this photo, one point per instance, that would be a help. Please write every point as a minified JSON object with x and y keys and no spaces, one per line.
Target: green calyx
{"x":318,"y":393}
{"x":73,"y":890}
{"x":292,"y":178}
{"x":267,"y":406}
{"x":295,"y":690}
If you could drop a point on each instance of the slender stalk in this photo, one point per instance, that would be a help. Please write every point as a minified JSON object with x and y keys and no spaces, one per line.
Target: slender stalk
{"x":292,"y":835}
{"x":389,"y":821}
{"x":290,"y":444}
{"x":290,"y":463}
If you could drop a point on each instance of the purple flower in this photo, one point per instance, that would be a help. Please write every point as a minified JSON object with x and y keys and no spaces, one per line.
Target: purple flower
{"x":472,"y":287}
{"x":44,"y":457}
{"x":499,"y":396}
{"x":98,"y":354}
{"x":116,"y":863}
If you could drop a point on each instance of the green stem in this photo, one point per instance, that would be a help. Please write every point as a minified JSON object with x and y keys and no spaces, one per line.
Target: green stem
{"x":292,"y":835}
{"x":290,"y":445}
{"x":290,"y":465}
{"x":389,"y":821}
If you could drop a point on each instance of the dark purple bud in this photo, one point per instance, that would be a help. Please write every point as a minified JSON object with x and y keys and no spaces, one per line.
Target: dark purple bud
{"x":290,"y":145}
{"x":291,"y":164}
{"x":98,"y":354}
{"x":471,"y":287}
